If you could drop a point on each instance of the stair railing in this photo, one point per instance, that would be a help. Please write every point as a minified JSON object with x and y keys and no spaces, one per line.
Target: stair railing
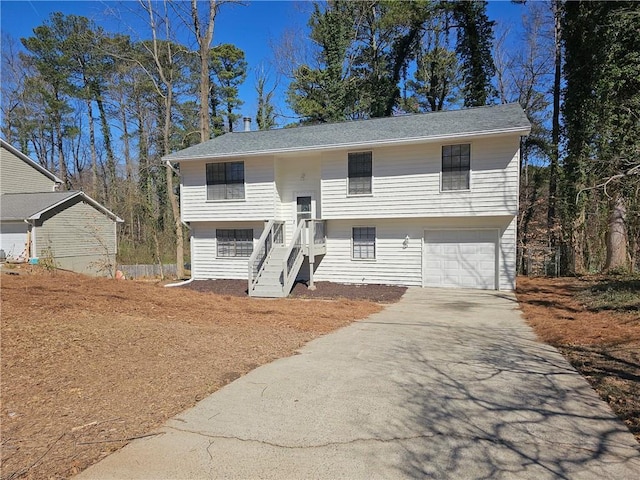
{"x":273,"y":234}
{"x":293,"y":258}
{"x":319,"y":234}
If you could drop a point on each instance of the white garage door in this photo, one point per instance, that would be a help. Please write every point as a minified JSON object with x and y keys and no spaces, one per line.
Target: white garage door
{"x":460,"y":258}
{"x":13,"y":239}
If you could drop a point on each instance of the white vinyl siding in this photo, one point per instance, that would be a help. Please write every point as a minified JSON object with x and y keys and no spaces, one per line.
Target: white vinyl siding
{"x":205,"y":262}
{"x":394,"y":264}
{"x":407,"y":182}
{"x":507,"y":256}
{"x":399,"y":250}
{"x":20,"y":177}
{"x":297,"y":176}
{"x":259,"y":193}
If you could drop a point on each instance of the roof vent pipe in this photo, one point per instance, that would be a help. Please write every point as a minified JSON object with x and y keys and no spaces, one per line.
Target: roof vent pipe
{"x":247,"y":124}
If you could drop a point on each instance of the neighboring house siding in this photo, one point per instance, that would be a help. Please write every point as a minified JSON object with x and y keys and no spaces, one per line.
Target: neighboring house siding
{"x":78,"y":238}
{"x":406,"y":182}
{"x":205,"y":262}
{"x":258,"y":204}
{"x":19,"y":177}
{"x":13,"y":239}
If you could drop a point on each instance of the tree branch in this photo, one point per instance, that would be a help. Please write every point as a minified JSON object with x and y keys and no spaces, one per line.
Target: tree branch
{"x":632,"y":171}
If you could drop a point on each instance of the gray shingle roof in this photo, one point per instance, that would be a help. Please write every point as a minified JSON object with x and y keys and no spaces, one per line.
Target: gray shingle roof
{"x":23,"y":206}
{"x":406,"y":128}
{"x":20,"y":206}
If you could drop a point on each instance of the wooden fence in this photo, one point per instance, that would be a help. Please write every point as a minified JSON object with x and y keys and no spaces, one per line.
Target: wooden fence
{"x":148,"y":271}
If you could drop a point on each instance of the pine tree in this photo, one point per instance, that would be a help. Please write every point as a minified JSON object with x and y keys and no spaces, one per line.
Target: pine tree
{"x":229,"y":69}
{"x":475,"y":40}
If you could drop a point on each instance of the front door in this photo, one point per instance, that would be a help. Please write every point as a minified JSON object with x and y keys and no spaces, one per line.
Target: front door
{"x":305,"y":209}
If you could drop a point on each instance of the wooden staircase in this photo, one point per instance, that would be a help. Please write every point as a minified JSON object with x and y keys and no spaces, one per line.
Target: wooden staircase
{"x":274,"y":266}
{"x":269,"y":282}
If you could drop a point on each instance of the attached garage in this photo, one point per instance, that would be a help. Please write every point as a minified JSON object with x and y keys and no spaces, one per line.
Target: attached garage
{"x":461,"y":258}
{"x":13,"y":239}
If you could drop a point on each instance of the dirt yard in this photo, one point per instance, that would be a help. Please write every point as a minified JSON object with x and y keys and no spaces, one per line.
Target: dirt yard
{"x":89,"y":364}
{"x":595,"y":323}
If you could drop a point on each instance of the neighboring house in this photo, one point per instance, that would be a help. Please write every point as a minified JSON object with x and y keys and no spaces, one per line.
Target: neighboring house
{"x":63,"y":228}
{"x":416,"y":200}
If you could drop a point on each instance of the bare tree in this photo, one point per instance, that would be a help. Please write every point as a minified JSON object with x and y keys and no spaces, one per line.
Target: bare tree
{"x":163,"y":54}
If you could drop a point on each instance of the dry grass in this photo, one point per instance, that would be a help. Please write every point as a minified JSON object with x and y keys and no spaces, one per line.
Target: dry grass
{"x":595,"y":323}
{"x":89,"y":363}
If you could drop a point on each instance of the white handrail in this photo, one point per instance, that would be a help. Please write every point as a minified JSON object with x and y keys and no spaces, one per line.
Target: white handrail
{"x":295,"y":241}
{"x":267,"y":233}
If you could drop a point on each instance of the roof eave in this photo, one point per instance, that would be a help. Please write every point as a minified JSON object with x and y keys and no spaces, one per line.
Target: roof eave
{"x":87,"y":198}
{"x":106,"y":211}
{"x":37,"y":215}
{"x":523,"y":130}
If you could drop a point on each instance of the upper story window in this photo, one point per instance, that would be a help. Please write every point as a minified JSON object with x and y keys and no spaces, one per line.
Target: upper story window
{"x":225,"y":181}
{"x":363,"y":243}
{"x":234,"y":242}
{"x":360,"y":172}
{"x":456,"y":166}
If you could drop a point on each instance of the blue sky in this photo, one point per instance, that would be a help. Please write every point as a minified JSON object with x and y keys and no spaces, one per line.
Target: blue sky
{"x":253,"y":27}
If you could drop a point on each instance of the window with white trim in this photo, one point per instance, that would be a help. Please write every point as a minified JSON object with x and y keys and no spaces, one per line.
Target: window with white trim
{"x":360,"y":173}
{"x":234,"y":242}
{"x":363,"y":243}
{"x":456,"y":167}
{"x":225,"y":181}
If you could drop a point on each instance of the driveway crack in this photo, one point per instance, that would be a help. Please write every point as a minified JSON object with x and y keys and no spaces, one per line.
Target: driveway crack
{"x":302,"y":447}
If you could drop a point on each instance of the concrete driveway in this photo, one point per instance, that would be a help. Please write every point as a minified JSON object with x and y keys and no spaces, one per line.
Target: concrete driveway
{"x":443,"y":384}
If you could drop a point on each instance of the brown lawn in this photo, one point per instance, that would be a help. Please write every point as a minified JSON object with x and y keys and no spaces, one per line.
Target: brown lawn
{"x":595,"y":323}
{"x":88,"y":364}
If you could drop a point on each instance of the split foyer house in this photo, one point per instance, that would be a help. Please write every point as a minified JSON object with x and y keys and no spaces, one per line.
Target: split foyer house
{"x":417,"y":200}
{"x":39,"y":221}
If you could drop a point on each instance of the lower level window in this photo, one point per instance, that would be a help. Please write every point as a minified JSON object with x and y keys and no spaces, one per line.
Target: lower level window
{"x":364,"y":243}
{"x":234,"y":242}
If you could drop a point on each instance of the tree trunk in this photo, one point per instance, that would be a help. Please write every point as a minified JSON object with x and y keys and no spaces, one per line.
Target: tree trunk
{"x":204,"y":43}
{"x":111,"y":162}
{"x":578,"y":243}
{"x":62,"y":162}
{"x":126,"y":145}
{"x":555,"y":129}
{"x":173,"y":200}
{"x":616,"y":240}
{"x":94,"y":155}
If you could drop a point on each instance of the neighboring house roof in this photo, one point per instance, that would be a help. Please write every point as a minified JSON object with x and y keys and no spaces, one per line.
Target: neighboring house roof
{"x":31,"y":206}
{"x":509,"y":118}
{"x":27,"y":160}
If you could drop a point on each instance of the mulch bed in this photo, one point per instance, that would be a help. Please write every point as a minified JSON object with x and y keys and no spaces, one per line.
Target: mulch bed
{"x":324,"y":290}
